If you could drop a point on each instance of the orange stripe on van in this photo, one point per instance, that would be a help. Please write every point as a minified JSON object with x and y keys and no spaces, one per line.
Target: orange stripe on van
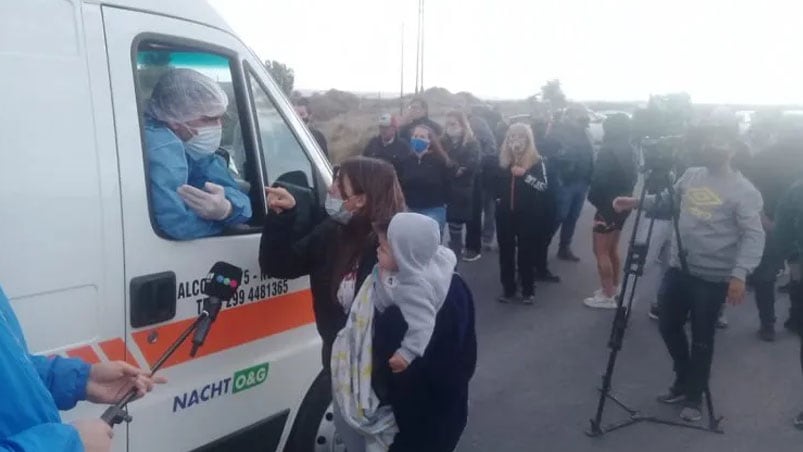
{"x":86,"y":353}
{"x":232,"y":328}
{"x":116,"y":350}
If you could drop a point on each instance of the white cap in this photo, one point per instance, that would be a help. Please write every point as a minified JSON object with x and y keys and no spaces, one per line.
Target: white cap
{"x":385,"y":120}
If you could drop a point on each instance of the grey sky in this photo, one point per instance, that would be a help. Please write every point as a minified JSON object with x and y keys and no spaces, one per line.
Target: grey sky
{"x":717,"y":50}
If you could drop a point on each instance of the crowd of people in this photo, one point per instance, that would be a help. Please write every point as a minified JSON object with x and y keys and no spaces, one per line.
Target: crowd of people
{"x":541,"y":173}
{"x":502,"y":186}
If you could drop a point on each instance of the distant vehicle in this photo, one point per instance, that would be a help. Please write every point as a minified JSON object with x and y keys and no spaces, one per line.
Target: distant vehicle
{"x":745,"y":118}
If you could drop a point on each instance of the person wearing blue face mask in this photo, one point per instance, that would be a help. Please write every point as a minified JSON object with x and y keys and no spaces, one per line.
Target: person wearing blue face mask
{"x":193,"y":194}
{"x":426,"y":174}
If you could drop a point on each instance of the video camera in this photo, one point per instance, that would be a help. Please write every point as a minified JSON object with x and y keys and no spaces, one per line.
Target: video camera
{"x":661,"y":154}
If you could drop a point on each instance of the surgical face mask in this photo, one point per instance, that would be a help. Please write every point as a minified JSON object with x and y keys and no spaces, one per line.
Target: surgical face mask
{"x":206,"y":141}
{"x":342,"y":217}
{"x":333,"y":205}
{"x":419,"y":145}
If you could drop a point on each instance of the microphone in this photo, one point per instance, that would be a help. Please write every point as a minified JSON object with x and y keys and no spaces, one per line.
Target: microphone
{"x":220,"y":284}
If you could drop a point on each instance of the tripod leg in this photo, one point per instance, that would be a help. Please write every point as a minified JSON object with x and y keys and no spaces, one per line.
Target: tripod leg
{"x":713,"y":420}
{"x":633,"y":268}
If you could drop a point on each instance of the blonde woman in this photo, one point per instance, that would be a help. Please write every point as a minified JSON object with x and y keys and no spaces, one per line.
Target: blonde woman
{"x":521,"y":217}
{"x":464,"y":152}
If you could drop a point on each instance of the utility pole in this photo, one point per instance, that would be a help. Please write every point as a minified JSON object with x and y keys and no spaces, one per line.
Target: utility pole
{"x":401,"y":89}
{"x":423,"y":27}
{"x":418,"y":48}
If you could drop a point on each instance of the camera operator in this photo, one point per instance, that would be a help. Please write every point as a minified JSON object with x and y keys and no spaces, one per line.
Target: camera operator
{"x":719,"y":224}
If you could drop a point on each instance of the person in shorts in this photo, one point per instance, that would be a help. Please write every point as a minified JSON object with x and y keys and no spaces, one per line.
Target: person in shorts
{"x":615,"y":174}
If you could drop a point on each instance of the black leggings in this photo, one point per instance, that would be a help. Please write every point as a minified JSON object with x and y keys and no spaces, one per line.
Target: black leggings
{"x":521,"y":244}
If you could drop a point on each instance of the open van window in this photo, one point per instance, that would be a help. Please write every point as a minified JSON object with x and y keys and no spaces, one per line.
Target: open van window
{"x":283,"y":155}
{"x":203,"y":177}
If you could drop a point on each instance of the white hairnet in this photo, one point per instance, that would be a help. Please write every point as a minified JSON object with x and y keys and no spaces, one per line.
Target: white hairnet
{"x":182,"y":95}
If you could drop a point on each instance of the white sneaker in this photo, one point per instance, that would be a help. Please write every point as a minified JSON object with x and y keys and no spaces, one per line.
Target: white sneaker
{"x":600,"y":301}
{"x":598,"y":292}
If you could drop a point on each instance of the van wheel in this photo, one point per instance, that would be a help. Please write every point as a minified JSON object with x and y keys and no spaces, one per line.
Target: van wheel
{"x":314,"y":426}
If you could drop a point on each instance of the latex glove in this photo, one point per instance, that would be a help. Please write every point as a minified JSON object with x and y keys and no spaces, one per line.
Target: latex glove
{"x":96,"y":435}
{"x":209,"y":203}
{"x":108,"y":382}
{"x":736,"y":291}
{"x":279,"y":199}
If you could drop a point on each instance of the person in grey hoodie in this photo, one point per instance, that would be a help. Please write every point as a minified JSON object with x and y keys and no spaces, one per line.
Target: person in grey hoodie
{"x":415,"y":273}
{"x":719,"y":222}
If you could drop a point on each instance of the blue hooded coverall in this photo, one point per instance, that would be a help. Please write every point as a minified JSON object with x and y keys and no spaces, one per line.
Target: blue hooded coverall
{"x":170,"y":166}
{"x":33,"y":390}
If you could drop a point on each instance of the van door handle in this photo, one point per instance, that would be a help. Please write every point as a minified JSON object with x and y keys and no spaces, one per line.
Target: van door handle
{"x":153,"y":299}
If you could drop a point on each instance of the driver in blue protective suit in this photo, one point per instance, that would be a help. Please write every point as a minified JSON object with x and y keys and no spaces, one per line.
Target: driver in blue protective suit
{"x":35,"y":388}
{"x":193,"y":194}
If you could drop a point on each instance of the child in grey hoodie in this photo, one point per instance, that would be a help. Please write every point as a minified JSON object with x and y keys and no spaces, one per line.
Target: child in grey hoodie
{"x":415,"y":273}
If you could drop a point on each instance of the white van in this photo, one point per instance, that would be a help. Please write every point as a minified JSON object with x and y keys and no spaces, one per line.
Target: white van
{"x":86,"y":267}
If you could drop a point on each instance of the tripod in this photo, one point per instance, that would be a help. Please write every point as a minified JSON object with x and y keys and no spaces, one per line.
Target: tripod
{"x":633,"y":269}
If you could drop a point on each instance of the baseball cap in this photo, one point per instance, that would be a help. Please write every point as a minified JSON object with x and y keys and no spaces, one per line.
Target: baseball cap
{"x":386,"y":120}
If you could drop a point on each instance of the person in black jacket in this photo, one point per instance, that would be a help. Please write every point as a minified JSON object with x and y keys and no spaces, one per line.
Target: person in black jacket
{"x":418,"y":115}
{"x":481,"y":230}
{"x":336,"y":248}
{"x":521,"y":220}
{"x":387,"y":145}
{"x":575,"y":162}
{"x":303,"y":111}
{"x":426,"y":174}
{"x":464,"y":152}
{"x":615,"y":174}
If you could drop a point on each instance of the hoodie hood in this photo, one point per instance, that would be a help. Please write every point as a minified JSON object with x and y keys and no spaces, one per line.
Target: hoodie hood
{"x":415,"y":242}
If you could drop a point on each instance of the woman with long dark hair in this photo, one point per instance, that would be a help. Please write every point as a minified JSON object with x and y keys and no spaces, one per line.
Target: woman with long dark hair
{"x":336,"y":248}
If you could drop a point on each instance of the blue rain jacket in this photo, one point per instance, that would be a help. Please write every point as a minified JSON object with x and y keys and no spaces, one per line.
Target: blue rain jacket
{"x":33,"y":390}
{"x":170,"y":166}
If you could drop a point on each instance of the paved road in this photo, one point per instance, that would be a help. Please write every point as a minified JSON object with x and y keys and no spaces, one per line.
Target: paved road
{"x":538,"y":368}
